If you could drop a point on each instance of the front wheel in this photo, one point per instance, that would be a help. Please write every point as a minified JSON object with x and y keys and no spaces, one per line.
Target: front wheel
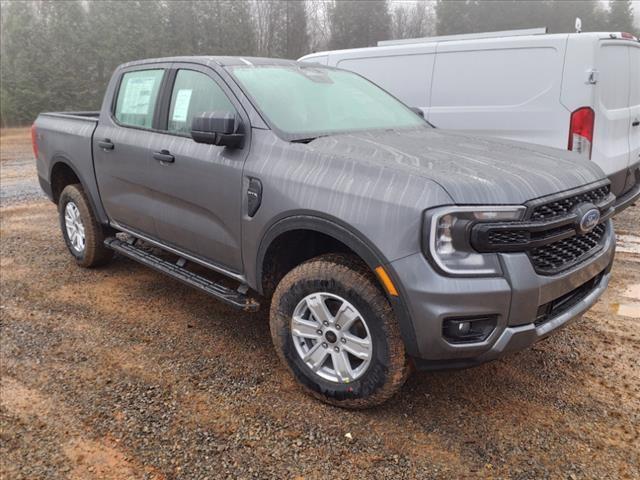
{"x":82,"y":232}
{"x":336,"y":332}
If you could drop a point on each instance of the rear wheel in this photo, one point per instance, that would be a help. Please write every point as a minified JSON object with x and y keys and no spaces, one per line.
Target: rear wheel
{"x":336,"y":332}
{"x":81,"y":231}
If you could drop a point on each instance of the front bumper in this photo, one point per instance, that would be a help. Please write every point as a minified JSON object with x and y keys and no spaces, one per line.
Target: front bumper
{"x":514,"y":299}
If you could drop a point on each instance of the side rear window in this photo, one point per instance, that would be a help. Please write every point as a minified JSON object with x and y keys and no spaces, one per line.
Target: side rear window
{"x":137,"y":97}
{"x":194,"y":93}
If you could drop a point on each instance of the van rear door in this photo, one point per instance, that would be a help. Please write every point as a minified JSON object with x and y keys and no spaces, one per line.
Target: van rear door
{"x":611,"y":147}
{"x":634,"y":110}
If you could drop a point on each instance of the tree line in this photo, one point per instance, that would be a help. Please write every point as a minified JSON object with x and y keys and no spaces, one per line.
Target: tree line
{"x":59,"y":54}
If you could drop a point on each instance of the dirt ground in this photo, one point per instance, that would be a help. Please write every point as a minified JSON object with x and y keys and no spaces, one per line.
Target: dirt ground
{"x":122,"y":373}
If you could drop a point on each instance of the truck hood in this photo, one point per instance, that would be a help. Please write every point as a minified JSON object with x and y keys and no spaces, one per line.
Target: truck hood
{"x":473,"y":170}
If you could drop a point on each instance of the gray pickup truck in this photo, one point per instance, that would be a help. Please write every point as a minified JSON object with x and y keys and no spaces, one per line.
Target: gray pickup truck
{"x":380,"y":243}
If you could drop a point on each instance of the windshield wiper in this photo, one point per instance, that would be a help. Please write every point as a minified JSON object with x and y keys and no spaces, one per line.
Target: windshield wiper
{"x":307,"y":139}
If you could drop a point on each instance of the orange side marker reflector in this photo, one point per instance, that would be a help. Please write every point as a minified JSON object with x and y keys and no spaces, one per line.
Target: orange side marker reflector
{"x":386,"y":281}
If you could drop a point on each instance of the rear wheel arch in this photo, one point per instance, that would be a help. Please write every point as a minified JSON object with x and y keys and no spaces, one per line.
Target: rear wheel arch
{"x":61,"y":174}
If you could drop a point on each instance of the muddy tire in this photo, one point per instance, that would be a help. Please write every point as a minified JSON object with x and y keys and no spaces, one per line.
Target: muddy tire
{"x":81,"y":231}
{"x":336,"y":332}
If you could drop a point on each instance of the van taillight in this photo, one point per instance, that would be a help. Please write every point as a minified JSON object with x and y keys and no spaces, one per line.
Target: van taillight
{"x":581,"y":130}
{"x":34,"y":140}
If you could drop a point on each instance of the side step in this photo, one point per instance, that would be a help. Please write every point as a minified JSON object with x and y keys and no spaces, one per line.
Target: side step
{"x":177,"y":271}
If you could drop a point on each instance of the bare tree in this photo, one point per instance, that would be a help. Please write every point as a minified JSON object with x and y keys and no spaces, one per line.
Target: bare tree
{"x":413,"y":19}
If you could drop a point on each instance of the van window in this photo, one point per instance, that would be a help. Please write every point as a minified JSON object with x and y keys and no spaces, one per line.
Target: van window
{"x":406,"y":76}
{"x":194,"y":93}
{"x":497,"y":77}
{"x":137,"y":97}
{"x":614,"y":75}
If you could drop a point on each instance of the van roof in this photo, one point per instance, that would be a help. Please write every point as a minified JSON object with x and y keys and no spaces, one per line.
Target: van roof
{"x":416,"y":43}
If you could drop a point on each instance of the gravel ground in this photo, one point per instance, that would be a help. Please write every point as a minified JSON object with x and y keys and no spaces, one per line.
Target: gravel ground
{"x":121,"y":373}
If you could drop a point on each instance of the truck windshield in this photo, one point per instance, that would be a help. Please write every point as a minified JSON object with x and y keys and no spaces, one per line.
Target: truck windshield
{"x":306,"y":102}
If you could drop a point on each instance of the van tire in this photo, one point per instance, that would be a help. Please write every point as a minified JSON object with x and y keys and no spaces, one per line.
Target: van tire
{"x":348,"y":278}
{"x":94,"y":253}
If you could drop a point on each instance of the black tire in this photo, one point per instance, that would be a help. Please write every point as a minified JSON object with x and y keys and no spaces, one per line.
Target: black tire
{"x":94,"y":253}
{"x":347,"y":277}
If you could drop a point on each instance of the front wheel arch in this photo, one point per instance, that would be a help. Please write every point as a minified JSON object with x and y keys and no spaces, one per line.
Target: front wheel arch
{"x":354,"y":242}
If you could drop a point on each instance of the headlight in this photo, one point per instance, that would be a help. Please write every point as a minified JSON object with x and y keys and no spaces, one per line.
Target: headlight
{"x":446,"y":238}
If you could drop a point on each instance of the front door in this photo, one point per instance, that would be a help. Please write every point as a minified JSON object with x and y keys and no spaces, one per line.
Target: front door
{"x":198,"y":192}
{"x":121,"y":148}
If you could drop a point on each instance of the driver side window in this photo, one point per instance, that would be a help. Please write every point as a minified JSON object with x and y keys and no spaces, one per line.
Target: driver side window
{"x":194,"y":93}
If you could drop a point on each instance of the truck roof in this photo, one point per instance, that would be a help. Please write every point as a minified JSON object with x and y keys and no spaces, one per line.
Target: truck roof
{"x":220,"y":61}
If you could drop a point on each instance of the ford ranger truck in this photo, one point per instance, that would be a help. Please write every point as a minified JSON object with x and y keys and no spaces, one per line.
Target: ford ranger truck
{"x":379,"y":243}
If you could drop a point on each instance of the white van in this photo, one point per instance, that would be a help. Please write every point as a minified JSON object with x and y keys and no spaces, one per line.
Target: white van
{"x":578,"y":91}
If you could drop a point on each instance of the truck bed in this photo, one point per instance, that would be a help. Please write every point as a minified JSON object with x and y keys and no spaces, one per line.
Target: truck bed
{"x":66,"y":138}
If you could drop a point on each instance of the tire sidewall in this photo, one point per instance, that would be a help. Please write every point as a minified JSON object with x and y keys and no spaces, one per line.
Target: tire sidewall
{"x":69,"y":194}
{"x":376,"y":375}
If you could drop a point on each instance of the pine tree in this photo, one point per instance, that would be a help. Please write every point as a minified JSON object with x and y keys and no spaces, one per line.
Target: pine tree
{"x":456,"y":16}
{"x":621,"y":16}
{"x":359,"y":23}
{"x":297,"y":36}
{"x":23,"y":67}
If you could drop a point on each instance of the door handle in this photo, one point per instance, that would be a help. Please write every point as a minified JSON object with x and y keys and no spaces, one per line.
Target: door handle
{"x":106,"y":144}
{"x":164,"y":156}
{"x":635,"y":123}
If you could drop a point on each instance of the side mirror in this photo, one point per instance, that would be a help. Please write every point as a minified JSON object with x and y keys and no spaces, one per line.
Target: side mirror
{"x":417,"y":111}
{"x":217,"y":128}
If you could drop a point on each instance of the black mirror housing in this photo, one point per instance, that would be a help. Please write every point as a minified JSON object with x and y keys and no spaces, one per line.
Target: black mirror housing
{"x":217,"y":128}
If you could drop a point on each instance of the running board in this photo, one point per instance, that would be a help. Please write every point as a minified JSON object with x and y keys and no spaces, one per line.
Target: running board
{"x":235,"y":298}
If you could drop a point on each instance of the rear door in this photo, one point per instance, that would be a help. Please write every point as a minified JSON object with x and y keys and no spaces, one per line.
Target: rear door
{"x":198,"y":195}
{"x":611,"y":148}
{"x":122,"y":145}
{"x":634,"y":110}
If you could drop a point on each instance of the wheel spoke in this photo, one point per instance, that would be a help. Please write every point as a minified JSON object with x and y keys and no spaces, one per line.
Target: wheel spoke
{"x":304,"y":328}
{"x":316,"y":357}
{"x":319,"y":309}
{"x":318,"y":334}
{"x":356,"y":346}
{"x":342,"y":365}
{"x":346,"y":316}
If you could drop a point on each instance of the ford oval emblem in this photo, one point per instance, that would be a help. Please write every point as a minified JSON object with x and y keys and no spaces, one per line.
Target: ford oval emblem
{"x":589,"y":220}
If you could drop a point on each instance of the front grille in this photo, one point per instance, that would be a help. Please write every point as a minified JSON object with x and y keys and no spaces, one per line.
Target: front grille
{"x":552,"y":309}
{"x":549,"y":233}
{"x":509,"y":237}
{"x":563,"y":206}
{"x":558,"y":256}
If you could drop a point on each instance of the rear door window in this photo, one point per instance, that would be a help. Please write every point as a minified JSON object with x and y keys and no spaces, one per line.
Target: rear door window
{"x":614,"y":75}
{"x":137,"y":97}
{"x":194,"y":93}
